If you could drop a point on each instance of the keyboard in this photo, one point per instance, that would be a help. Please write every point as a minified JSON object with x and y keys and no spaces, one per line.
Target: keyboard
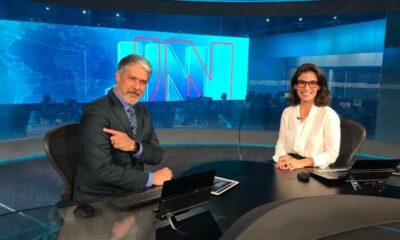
{"x":136,"y":200}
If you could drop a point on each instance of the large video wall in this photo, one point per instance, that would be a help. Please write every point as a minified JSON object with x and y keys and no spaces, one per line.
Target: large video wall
{"x":78,"y":62}
{"x":209,"y":71}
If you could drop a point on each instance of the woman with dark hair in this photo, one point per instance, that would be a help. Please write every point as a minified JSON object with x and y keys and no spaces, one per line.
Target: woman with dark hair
{"x":309,"y":134}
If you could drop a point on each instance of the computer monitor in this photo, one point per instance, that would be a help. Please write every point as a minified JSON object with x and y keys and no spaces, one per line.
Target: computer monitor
{"x":184,"y":193}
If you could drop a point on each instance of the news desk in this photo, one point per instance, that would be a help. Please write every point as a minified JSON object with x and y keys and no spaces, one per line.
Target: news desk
{"x":259,"y":183}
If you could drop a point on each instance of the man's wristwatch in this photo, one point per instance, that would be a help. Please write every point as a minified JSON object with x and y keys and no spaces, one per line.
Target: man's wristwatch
{"x":137,"y":147}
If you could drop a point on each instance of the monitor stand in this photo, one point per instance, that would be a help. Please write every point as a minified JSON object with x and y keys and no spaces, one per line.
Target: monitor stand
{"x":198,"y":226}
{"x":174,"y":224}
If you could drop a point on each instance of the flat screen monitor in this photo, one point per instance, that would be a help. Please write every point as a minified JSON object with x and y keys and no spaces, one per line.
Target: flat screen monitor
{"x":184,"y":193}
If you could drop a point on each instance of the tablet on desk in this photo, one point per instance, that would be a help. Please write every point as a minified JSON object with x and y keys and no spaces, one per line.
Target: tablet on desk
{"x":222,"y":185}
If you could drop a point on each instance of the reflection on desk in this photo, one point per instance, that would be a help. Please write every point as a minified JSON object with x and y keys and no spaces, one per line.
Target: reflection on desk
{"x":38,"y":223}
{"x":260,"y":183}
{"x":107,"y":223}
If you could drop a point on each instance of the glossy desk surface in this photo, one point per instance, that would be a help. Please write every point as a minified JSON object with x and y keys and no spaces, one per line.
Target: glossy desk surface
{"x":260,"y":183}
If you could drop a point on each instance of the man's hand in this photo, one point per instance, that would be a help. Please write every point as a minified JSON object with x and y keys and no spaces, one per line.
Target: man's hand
{"x":162,"y":175}
{"x":121,"y":228}
{"x":120,"y":140}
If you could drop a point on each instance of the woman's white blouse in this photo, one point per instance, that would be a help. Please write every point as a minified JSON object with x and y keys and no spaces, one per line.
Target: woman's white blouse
{"x":318,"y":136}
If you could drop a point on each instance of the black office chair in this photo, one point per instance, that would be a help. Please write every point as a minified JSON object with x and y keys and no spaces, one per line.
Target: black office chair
{"x":352,"y":137}
{"x":315,"y":217}
{"x":62,"y":145}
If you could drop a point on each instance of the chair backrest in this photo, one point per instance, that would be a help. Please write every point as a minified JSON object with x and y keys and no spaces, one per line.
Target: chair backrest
{"x":352,"y":137}
{"x":62,"y":146}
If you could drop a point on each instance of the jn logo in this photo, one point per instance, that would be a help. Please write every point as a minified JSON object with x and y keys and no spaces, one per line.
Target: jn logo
{"x":183,"y":70}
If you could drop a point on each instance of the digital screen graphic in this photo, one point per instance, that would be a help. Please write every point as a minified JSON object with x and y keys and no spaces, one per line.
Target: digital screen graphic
{"x":41,"y":60}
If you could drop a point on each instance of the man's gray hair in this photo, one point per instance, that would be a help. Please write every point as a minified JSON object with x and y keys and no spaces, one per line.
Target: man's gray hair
{"x":135,"y":59}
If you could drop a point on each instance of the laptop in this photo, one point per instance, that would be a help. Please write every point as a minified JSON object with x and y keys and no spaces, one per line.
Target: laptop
{"x":361,"y":171}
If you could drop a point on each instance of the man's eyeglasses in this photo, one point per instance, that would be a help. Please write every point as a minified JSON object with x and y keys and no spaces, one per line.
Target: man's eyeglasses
{"x":311,"y":84}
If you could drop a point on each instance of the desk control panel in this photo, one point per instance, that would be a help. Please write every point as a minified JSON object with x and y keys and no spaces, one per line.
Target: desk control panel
{"x":136,"y":200}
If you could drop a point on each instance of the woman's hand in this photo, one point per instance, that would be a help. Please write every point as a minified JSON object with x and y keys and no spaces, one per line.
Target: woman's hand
{"x":283,"y":162}
{"x":288,"y":163}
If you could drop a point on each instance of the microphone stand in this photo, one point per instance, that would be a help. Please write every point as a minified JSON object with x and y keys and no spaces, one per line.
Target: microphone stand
{"x":238,"y":144}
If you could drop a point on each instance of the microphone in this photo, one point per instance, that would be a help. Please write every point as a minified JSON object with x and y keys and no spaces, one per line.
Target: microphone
{"x":239,"y":128}
{"x":298,"y":118}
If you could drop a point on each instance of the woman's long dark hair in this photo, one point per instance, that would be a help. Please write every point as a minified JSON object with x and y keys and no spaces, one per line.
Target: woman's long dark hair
{"x":323,"y":97}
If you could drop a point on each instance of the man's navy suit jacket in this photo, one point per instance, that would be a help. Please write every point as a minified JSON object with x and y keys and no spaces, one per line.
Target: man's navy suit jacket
{"x":104,"y":170}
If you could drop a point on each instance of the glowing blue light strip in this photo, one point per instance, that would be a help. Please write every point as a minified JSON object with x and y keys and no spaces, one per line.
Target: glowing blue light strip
{"x":247,"y":1}
{"x":212,"y":144}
